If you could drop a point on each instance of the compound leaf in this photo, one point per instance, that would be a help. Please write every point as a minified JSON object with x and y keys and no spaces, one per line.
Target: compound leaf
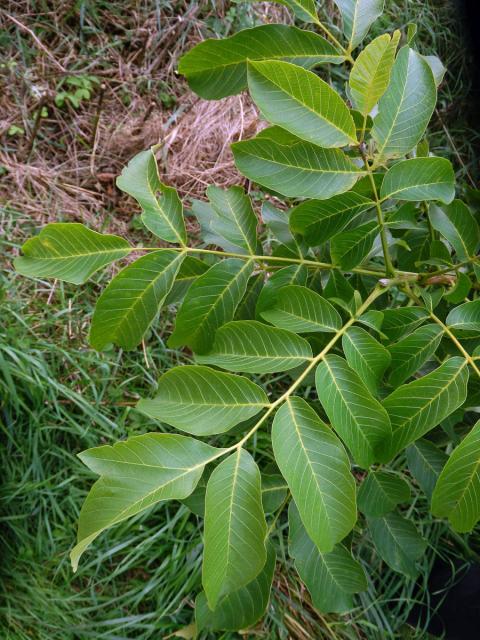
{"x":135,"y":475}
{"x":381,"y":492}
{"x":235,"y":527}
{"x":357,"y":417}
{"x":70,"y":252}
{"x":203,"y":401}
{"x":129,"y":304}
{"x":420,"y":179}
{"x":210,"y":302}
{"x":457,"y":492}
{"x":317,"y":470}
{"x":254,"y":347}
{"x":366,"y":356}
{"x":162,"y":209}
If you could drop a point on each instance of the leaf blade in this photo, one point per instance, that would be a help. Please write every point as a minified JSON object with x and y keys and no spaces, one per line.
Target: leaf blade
{"x":420,"y":179}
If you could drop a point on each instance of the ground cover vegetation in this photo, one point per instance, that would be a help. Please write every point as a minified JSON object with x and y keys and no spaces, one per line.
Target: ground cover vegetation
{"x":368,"y":284}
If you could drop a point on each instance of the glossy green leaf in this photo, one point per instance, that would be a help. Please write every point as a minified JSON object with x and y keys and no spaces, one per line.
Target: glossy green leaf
{"x":241,"y":608}
{"x":70,"y":252}
{"x":425,"y":462}
{"x":319,"y":220}
{"x":295,"y":274}
{"x":210,"y":302}
{"x":274,"y":492}
{"x":301,"y":102}
{"x":302,"y":310}
{"x":370,"y":74}
{"x":421,"y":405}
{"x":129,"y":304}
{"x":217,"y":68}
{"x":304,"y":9}
{"x":331,"y":578}
{"x":162,"y":209}
{"x":357,"y":417}
{"x":420,"y":179}
{"x":253,"y":347}
{"x":381,"y":492}
{"x":298,"y":169}
{"x":406,"y":107}
{"x":137,"y":474}
{"x":437,"y":67}
{"x":350,"y":248}
{"x":246,"y":308}
{"x":457,"y":225}
{"x":358,"y":16}
{"x":235,"y":527}
{"x":203,"y":401}
{"x":465,"y":317}
{"x":317,"y":470}
{"x":236,"y":221}
{"x":410,"y":353}
{"x":398,"y":543}
{"x":189,"y":271}
{"x":399,"y":322}
{"x":366,"y":356}
{"x":457,"y":492}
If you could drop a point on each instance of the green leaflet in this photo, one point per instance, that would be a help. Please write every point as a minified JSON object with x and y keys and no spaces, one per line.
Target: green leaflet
{"x":247,"y":306}
{"x":203,"y":401}
{"x":207,"y":217}
{"x":236,"y":220}
{"x":406,"y":107}
{"x":70,"y":252}
{"x":370,"y":74}
{"x":189,"y":271}
{"x":235,"y":527}
{"x":301,"y":310}
{"x":137,"y":474}
{"x":278,"y":223}
{"x":317,"y":470}
{"x":465,"y":317}
{"x":304,"y":9}
{"x":399,"y":322}
{"x":366,"y":356}
{"x":295,"y":274}
{"x":274,"y":492}
{"x":297,"y":168}
{"x":358,"y":16}
{"x":381,"y":492}
{"x":332,"y":578}
{"x":425,"y":462}
{"x":397,"y":542}
{"x":253,"y":347}
{"x":410,"y":353}
{"x":319,"y":220}
{"x":129,"y":304}
{"x":241,"y":608}
{"x":457,"y":225}
{"x":301,"y":102}
{"x":350,"y":248}
{"x":357,"y":417}
{"x":421,"y":405}
{"x":217,"y":68}
{"x":162,"y":209}
{"x":210,"y":302}
{"x":420,"y":179}
{"x":457,"y":492}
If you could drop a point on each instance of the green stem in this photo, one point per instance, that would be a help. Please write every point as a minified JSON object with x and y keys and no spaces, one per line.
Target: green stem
{"x":330,"y":35}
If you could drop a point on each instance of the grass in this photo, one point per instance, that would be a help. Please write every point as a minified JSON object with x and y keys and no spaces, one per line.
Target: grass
{"x":57,"y":397}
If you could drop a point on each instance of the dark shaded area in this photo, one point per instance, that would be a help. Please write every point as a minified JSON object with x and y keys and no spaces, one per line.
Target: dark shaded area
{"x":469,"y":18}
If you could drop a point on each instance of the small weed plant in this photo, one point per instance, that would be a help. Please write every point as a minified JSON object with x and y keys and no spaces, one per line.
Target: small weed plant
{"x":346,"y":323}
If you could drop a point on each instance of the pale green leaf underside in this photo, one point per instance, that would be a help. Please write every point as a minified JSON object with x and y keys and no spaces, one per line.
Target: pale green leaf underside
{"x":203,"y":401}
{"x":301,"y":102}
{"x":235,"y":527}
{"x":252,"y":347}
{"x":457,"y":225}
{"x":358,"y":16}
{"x":465,"y":317}
{"x":420,"y":179}
{"x":331,"y":578}
{"x":162,"y":209}
{"x":210,"y":302}
{"x":217,"y":68}
{"x":70,"y":252}
{"x":357,"y":417}
{"x":421,"y":405}
{"x":317,"y":470}
{"x":129,"y":304}
{"x":366,"y":356}
{"x":242,"y":608}
{"x":236,"y":220}
{"x":302,"y":310}
{"x":457,"y":492}
{"x":135,"y":475}
{"x":381,"y":492}
{"x":297,"y":169}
